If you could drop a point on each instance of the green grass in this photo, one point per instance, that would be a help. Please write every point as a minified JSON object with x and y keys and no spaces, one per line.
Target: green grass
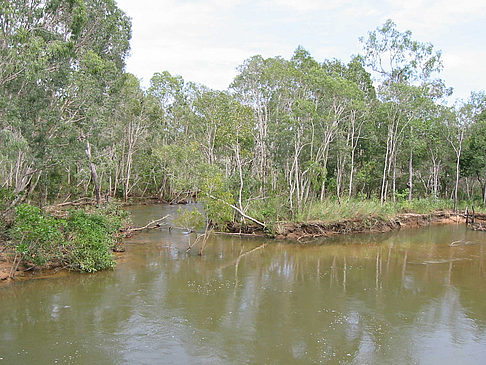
{"x":272,"y":210}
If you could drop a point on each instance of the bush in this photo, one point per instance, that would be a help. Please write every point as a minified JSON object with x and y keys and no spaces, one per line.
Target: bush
{"x":189,"y":219}
{"x":7,"y":196}
{"x":91,"y":241}
{"x":37,"y":237}
{"x":82,"y":242}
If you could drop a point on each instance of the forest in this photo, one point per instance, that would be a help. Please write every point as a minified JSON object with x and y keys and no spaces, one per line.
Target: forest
{"x":290,"y":139}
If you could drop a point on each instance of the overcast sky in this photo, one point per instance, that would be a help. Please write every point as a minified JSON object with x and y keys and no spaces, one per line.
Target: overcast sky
{"x":205,"y":40}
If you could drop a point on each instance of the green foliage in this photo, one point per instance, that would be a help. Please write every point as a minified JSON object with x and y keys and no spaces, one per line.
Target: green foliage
{"x":82,"y":242}
{"x":272,"y":209}
{"x":423,"y":206}
{"x":216,"y":198}
{"x":189,"y":219}
{"x":37,"y":236}
{"x":332,"y":210}
{"x":90,"y":241}
{"x":288,"y":134}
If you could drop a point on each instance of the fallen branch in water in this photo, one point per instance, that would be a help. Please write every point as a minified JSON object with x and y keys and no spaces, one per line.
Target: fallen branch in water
{"x":147,"y":226}
{"x":239,"y":211}
{"x":461,"y":242}
{"x":204,"y":237}
{"x":249,"y":252}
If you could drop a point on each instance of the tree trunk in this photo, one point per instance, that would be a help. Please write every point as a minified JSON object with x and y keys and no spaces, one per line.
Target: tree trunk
{"x":484,"y":194}
{"x":386,"y":168}
{"x":410,"y":176}
{"x":240,"y":172}
{"x":324,"y":178}
{"x":94,"y":175}
{"x":457,"y":182}
{"x":351,"y":173}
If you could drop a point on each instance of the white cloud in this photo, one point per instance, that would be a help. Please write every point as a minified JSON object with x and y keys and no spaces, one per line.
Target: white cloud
{"x":435,"y":15}
{"x":461,"y":71}
{"x":309,"y":5}
{"x":205,"y":40}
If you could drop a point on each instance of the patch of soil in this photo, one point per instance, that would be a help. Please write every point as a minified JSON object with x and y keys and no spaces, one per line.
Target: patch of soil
{"x":314,"y":229}
{"x":245,"y":229}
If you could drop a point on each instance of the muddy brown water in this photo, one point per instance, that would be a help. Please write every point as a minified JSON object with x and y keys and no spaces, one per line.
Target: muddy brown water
{"x":400,"y":298}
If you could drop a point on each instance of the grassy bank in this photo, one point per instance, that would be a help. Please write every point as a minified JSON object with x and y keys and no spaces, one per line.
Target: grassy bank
{"x":328,"y":211}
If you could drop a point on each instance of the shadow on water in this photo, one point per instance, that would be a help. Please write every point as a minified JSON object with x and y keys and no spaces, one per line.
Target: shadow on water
{"x":403,"y":297}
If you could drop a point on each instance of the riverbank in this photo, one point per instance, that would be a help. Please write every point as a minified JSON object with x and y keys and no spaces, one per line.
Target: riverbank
{"x":284,"y":230}
{"x":301,"y":231}
{"x":37,"y":241}
{"x":308,"y":230}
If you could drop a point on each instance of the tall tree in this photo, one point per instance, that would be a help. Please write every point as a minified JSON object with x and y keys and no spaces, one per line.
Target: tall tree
{"x":399,"y":61}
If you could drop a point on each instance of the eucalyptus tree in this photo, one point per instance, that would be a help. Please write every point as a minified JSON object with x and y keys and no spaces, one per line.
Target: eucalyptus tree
{"x":135,"y":117}
{"x":171,"y":93}
{"x":473,"y":163}
{"x":399,"y":61}
{"x":457,"y":122}
{"x":253,"y":85}
{"x":50,"y":53}
{"x":356,"y":95}
{"x":103,"y":45}
{"x":336,"y":101}
{"x":236,"y":137}
{"x":36,"y":47}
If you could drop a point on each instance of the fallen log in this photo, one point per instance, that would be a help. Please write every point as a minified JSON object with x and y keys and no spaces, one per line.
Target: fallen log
{"x":147,"y":226}
{"x":77,"y":202}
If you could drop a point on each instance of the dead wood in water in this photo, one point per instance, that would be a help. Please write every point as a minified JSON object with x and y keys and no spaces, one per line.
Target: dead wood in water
{"x":147,"y":226}
{"x":203,"y":238}
{"x":240,"y":211}
{"x":462,"y":243}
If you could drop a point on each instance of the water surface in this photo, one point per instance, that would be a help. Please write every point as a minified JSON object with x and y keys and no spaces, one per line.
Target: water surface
{"x":400,"y":298}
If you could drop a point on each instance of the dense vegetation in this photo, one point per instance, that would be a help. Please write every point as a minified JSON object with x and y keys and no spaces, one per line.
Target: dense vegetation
{"x":289,"y":139}
{"x":82,"y":241}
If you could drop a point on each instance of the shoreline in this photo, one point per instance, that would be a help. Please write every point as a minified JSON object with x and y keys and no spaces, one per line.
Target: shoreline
{"x":285,"y":231}
{"x":301,"y":231}
{"x":372,"y":224}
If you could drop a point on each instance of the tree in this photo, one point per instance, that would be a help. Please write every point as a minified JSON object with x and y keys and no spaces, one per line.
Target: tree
{"x":473,"y":162}
{"x":59,"y":64}
{"x":399,"y":61}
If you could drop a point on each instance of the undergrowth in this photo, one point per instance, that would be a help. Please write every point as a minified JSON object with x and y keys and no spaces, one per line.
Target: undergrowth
{"x":331,"y":210}
{"x":82,"y":241}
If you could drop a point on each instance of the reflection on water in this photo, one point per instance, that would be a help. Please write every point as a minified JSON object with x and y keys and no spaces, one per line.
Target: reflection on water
{"x":399,"y":298}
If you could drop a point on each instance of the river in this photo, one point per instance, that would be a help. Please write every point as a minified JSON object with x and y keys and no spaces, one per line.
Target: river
{"x":406,"y":297}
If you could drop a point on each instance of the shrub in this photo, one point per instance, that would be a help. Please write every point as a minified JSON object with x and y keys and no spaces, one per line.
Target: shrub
{"x":91,"y":241}
{"x":82,"y":242}
{"x":7,"y":196}
{"x":36,"y":236}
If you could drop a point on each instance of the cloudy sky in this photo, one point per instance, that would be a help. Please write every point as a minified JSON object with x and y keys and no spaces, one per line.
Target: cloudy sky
{"x":205,"y":40}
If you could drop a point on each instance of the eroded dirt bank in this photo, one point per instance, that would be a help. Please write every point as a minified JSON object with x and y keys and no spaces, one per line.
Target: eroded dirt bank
{"x":314,"y":229}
